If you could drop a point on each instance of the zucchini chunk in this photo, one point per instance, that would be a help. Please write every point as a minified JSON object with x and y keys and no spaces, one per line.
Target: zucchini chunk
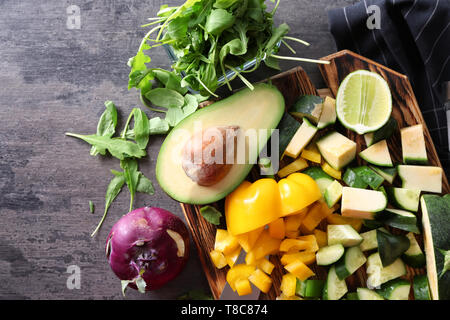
{"x":333,"y":193}
{"x":334,"y":287}
{"x":322,"y":179}
{"x":406,"y":199}
{"x":328,"y":116}
{"x":397,"y":289}
{"x":337,"y":149}
{"x":421,"y":288}
{"x":353,"y":180}
{"x":308,"y":106}
{"x":343,"y":234}
{"x":385,"y":132}
{"x":421,"y":178}
{"x":377,"y":274}
{"x":414,"y":256}
{"x":361,"y":203}
{"x":367,"y":294}
{"x":369,"y":176}
{"x":352,"y":260}
{"x":329,"y":254}
{"x":388,"y":174}
{"x":301,"y":139}
{"x":401,"y":219}
{"x":391,"y":247}
{"x":413,"y":145}
{"x":378,"y":154}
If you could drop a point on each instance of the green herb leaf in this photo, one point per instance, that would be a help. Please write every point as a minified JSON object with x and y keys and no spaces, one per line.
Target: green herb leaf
{"x":118,"y":148}
{"x":114,"y":188}
{"x":158,"y":126}
{"x":446,"y":266}
{"x":131,"y":175}
{"x":218,"y":21}
{"x":145,"y":185}
{"x":174,"y":115}
{"x":211,"y":214}
{"x":91,"y":206}
{"x":141,"y":128}
{"x":106,"y":125}
{"x":165,"y":98}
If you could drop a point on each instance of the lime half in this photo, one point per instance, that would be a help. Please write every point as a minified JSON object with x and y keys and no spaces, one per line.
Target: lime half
{"x":363,"y":102}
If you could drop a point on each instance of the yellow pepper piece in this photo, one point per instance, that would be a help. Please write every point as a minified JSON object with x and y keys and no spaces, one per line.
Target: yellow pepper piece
{"x":316,"y":214}
{"x":261,"y":280}
{"x":247,"y":240}
{"x":296,"y":165}
{"x":218,"y":259}
{"x":232,"y":257}
{"x":238,"y":272}
{"x":321,"y":237}
{"x":297,"y":191}
{"x":331,"y":171}
{"x":292,"y":234}
{"x":304,"y":256}
{"x":294,"y":245}
{"x":277,"y":229}
{"x":243,"y":287}
{"x":293,"y":222}
{"x":265,"y":245}
{"x":282,"y":296}
{"x":225,"y":242}
{"x":336,"y":218}
{"x":288,"y":284}
{"x":300,"y":270}
{"x":312,"y":242}
{"x":311,"y":156}
{"x":265,"y":265}
{"x":252,"y":205}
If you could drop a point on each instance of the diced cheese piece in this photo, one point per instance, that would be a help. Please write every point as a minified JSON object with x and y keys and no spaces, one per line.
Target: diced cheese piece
{"x":362,"y":203}
{"x":301,"y":139}
{"x":337,"y":149}
{"x":413,"y":145}
{"x":422,"y":178}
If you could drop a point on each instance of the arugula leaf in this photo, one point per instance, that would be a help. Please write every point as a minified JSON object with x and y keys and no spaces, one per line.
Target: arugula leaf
{"x":446,"y":265}
{"x":131,"y":175}
{"x":165,"y":98}
{"x":114,"y":188}
{"x":141,"y":128}
{"x":174,"y":115}
{"x":106,"y":125}
{"x":219,"y":20}
{"x":190,"y":106}
{"x":118,"y":148}
{"x":211,"y":214}
{"x":158,"y":126}
{"x":145,"y":185}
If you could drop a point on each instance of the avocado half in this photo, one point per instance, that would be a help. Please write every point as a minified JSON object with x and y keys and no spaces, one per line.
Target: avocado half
{"x":260,"y":109}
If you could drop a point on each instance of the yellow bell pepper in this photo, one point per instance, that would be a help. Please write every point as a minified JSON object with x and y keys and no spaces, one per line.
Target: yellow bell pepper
{"x":218,"y":259}
{"x":239,"y":272}
{"x":232,"y":257}
{"x":304,"y":256}
{"x":293,"y":222}
{"x":265,"y":245}
{"x":247,"y":240}
{"x":295,"y":166}
{"x":336,"y":218}
{"x":243,"y":287}
{"x":321,"y":237}
{"x":225,"y":242}
{"x":316,"y":214}
{"x":300,"y":270}
{"x":337,"y":174}
{"x":288,"y":284}
{"x":261,"y":280}
{"x":254,"y":205}
{"x":265,"y":265}
{"x":277,"y":229}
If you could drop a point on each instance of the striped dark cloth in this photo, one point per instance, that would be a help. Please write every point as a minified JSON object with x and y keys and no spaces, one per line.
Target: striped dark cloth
{"x":413,"y":38}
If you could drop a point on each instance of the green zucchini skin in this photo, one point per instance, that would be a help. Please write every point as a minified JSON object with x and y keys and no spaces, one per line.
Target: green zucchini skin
{"x":414,"y":256}
{"x":391,"y":247}
{"x":287,"y":129}
{"x":308,"y":106}
{"x":404,"y":198}
{"x":388,"y":174}
{"x":352,"y":179}
{"x":421,"y":288}
{"x":391,"y":289}
{"x":373,"y":179}
{"x":436,"y":210}
{"x":385,"y":132}
{"x":351,"y":261}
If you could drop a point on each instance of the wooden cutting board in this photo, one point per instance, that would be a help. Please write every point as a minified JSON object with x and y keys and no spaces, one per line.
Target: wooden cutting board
{"x":292,"y":84}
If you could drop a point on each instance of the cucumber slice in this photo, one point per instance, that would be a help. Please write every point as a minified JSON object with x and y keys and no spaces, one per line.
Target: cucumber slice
{"x":322,"y":179}
{"x":343,"y":234}
{"x":329,"y":254}
{"x":388,"y":174}
{"x":406,"y":199}
{"x":401,"y":219}
{"x":328,"y":116}
{"x":334,"y":287}
{"x":300,"y":288}
{"x":377,"y":274}
{"x":413,"y":145}
{"x":308,"y":106}
{"x":378,"y":154}
{"x":391,"y":247}
{"x":383,"y":133}
{"x":352,"y":260}
{"x":361,"y":203}
{"x":314,"y":288}
{"x":414,"y":256}
{"x":421,"y":288}
{"x":287,"y":128}
{"x":352,"y":296}
{"x":373,"y":179}
{"x":367,"y":294}
{"x":370,"y":241}
{"x":421,"y":178}
{"x":333,"y":193}
{"x":397,"y":289}
{"x":353,"y":180}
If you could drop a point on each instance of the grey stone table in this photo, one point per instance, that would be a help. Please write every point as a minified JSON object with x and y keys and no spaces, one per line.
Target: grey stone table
{"x":55,"y":79}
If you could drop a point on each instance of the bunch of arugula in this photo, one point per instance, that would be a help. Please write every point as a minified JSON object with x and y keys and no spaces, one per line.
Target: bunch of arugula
{"x":128,"y":148}
{"x":209,"y":38}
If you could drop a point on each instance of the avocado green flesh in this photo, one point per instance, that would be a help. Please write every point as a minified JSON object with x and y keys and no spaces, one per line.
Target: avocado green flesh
{"x":260,"y":109}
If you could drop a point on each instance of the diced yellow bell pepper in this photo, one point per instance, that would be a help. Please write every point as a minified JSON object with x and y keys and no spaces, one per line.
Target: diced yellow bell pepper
{"x":292,"y":234}
{"x":331,"y":171}
{"x":265,"y":265}
{"x":232,"y":257}
{"x":265,"y":245}
{"x":247,"y":240}
{"x":261,"y":280}
{"x":296,"y":165}
{"x":237,"y":272}
{"x":311,"y":156}
{"x":312,"y":242}
{"x":282,"y":296}
{"x":250,"y":258}
{"x":225,"y":242}
{"x":243,"y":287}
{"x":338,"y":219}
{"x":277,"y":229}
{"x":293,"y":222}
{"x":304,"y":256}
{"x":218,"y":259}
{"x":254,"y":205}
{"x":321,"y":237}
{"x":294,"y":245}
{"x":300,"y":270}
{"x":316,"y":214}
{"x":288,"y":284}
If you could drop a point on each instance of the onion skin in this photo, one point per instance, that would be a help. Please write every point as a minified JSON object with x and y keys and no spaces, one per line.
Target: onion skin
{"x":140,"y":241}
